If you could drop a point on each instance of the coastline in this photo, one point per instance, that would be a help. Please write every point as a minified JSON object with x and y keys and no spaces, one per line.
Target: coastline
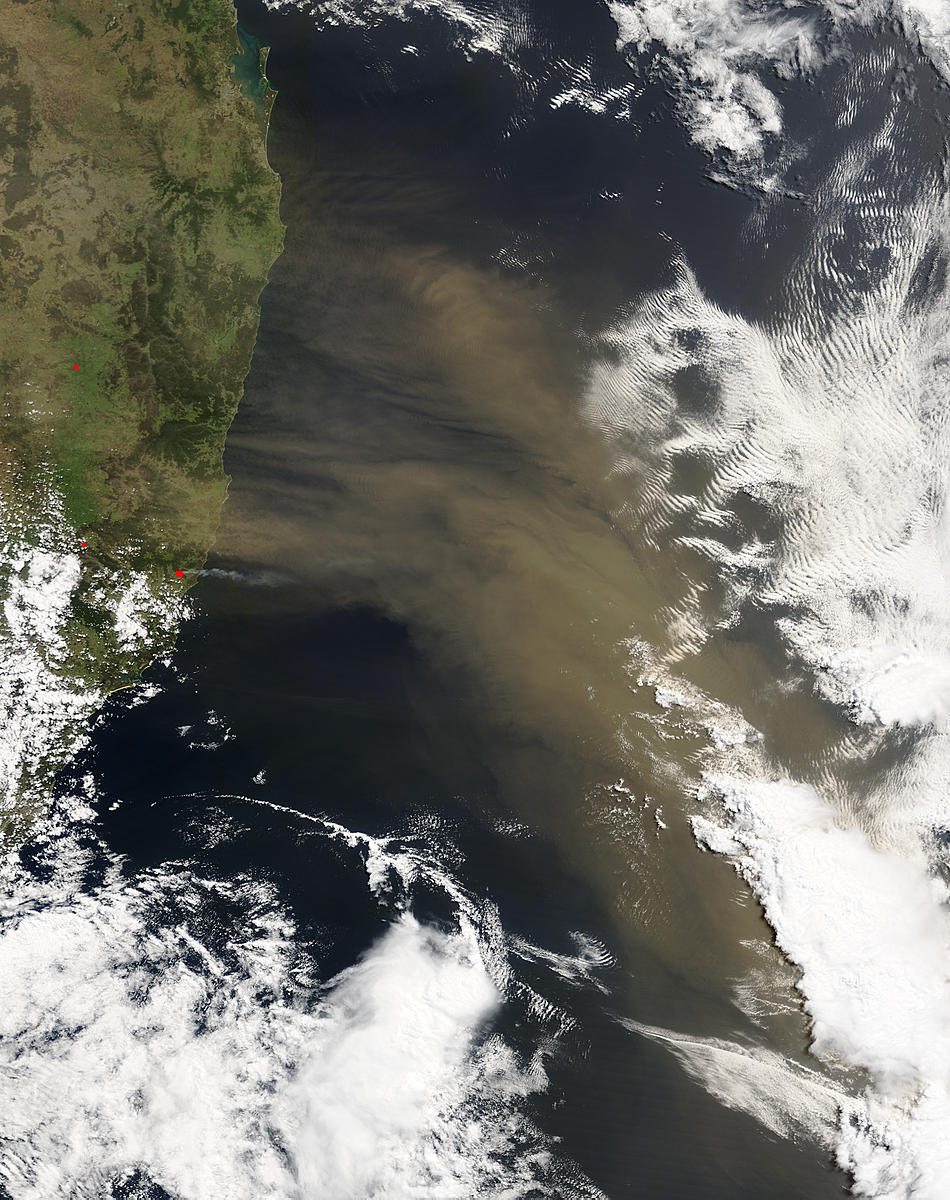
{"x":141,"y":221}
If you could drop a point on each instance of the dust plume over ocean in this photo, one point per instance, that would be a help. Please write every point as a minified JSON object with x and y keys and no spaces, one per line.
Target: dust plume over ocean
{"x":594,"y":459}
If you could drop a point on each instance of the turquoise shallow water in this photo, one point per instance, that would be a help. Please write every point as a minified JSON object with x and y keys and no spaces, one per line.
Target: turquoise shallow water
{"x":246,"y":65}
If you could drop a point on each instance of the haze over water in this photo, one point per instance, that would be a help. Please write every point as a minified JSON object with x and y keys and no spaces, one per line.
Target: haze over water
{"x":587,"y":515}
{"x":461,"y":490}
{"x":700,"y":604}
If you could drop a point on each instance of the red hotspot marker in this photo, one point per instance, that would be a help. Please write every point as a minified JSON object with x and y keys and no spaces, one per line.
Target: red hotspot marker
{"x":75,"y":366}
{"x":179,"y":574}
{"x":82,"y":545}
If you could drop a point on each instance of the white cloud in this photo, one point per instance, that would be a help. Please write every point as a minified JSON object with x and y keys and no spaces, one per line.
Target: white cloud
{"x":139,"y":1034}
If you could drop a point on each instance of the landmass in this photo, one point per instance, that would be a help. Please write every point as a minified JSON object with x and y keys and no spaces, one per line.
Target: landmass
{"x":138,"y":221}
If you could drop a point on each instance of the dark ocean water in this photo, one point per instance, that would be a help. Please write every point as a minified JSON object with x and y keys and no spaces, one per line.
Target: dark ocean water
{"x":321,"y":639}
{"x":409,"y":627}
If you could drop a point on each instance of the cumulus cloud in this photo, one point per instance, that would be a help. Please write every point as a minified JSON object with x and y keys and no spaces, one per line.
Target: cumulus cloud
{"x":175,"y":1029}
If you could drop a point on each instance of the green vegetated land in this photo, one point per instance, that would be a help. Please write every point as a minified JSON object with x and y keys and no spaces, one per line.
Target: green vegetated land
{"x":138,"y":220}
